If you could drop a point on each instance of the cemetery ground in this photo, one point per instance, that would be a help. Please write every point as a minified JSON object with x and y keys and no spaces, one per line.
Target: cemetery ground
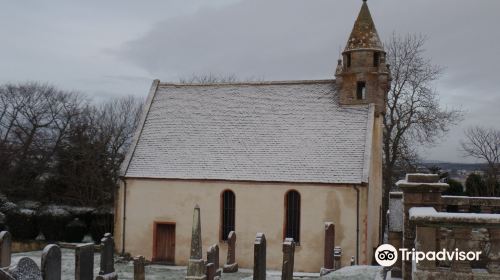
{"x":125,"y":269}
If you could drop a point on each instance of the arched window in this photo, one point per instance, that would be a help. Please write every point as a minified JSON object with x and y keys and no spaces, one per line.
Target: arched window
{"x":228,"y":207}
{"x":292,"y":218}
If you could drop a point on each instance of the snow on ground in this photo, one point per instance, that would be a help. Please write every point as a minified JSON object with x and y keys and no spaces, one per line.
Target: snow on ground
{"x":358,"y":272}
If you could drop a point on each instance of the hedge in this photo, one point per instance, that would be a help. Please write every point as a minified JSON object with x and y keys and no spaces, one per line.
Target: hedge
{"x":75,"y":231}
{"x":22,"y":224}
{"x":53,"y":220}
{"x":102,"y":222}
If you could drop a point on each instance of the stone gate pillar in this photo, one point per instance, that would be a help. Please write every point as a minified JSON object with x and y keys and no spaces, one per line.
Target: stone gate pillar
{"x":419,"y":190}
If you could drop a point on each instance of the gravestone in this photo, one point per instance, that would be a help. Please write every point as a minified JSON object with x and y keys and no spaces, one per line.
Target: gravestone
{"x":218,"y":270}
{"x":107,"y":254}
{"x":196,"y":264}
{"x":84,"y":262}
{"x":213,"y":257}
{"x":5,"y":248}
{"x":139,"y":271}
{"x":25,"y":269}
{"x":288,"y":259}
{"x":210,"y":271}
{"x":231,"y":265}
{"x":51,"y":262}
{"x":337,"y":257}
{"x":259,"y":257}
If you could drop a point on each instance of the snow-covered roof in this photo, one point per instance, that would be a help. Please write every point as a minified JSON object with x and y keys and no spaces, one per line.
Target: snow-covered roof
{"x":269,"y":131}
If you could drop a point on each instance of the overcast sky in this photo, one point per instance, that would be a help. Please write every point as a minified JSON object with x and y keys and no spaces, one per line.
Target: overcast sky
{"x":114,"y":48}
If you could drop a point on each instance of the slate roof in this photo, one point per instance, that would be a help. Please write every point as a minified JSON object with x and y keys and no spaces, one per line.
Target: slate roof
{"x":270,"y":132}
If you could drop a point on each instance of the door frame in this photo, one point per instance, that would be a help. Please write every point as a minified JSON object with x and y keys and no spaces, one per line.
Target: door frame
{"x":155,"y":230}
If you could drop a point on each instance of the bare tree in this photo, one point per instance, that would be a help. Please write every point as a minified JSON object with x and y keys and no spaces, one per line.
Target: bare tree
{"x":119,"y":118}
{"x":33,"y":121}
{"x":87,"y":163}
{"x":414,"y":116}
{"x":484,"y":144}
{"x":56,"y":145}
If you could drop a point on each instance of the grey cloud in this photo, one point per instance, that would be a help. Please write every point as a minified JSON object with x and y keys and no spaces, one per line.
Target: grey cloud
{"x":111,"y":48}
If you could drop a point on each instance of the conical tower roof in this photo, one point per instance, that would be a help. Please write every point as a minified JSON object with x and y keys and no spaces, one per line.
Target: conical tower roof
{"x":364,"y":34}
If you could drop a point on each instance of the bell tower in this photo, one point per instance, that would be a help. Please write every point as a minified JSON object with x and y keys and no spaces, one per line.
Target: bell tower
{"x":362,"y":75}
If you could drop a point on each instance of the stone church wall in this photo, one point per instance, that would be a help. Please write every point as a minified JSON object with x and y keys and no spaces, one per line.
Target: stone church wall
{"x":259,"y":208}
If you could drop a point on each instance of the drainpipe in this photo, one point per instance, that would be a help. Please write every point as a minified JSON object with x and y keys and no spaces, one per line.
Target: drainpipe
{"x":357,"y":224}
{"x":124,"y":218}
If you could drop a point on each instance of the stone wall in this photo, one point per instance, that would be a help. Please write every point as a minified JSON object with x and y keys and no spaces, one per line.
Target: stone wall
{"x":428,"y":227}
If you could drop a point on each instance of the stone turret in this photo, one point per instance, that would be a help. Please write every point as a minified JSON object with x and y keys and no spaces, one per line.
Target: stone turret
{"x":362,"y":76}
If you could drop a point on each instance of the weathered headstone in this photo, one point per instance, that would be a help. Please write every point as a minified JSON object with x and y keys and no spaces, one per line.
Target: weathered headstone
{"x":259,"y":257}
{"x":328,"y":249}
{"x":231,"y":265}
{"x":213,"y":257}
{"x":51,"y":262}
{"x":139,"y":271}
{"x":84,"y":262}
{"x":5,"y":248}
{"x":210,"y":271}
{"x":218,"y":270}
{"x":107,"y":254}
{"x":25,"y":269}
{"x":196,"y":264}
{"x":288,"y":259}
{"x":337,"y":258}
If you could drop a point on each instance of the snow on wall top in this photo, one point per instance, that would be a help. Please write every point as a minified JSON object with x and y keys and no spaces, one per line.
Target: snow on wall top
{"x":272,"y":132}
{"x":429,"y":215}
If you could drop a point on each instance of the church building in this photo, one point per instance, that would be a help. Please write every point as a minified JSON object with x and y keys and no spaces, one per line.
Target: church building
{"x":280,"y":157}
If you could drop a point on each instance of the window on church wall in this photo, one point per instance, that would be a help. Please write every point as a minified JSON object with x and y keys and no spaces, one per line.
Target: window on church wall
{"x":361,"y":91}
{"x":376,"y":59}
{"x":292,"y":216}
{"x":228,"y":217}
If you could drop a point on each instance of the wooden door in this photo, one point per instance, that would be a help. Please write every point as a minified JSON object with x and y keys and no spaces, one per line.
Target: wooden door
{"x":164,"y":243}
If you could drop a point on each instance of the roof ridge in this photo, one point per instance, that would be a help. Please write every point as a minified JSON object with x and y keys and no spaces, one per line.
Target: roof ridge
{"x":256,"y":83}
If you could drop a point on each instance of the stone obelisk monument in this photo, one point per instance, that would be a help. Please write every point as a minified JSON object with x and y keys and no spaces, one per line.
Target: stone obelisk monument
{"x":196,"y":264}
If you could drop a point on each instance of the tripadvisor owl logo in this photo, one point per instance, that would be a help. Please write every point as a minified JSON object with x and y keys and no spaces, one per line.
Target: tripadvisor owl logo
{"x":386,"y":255}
